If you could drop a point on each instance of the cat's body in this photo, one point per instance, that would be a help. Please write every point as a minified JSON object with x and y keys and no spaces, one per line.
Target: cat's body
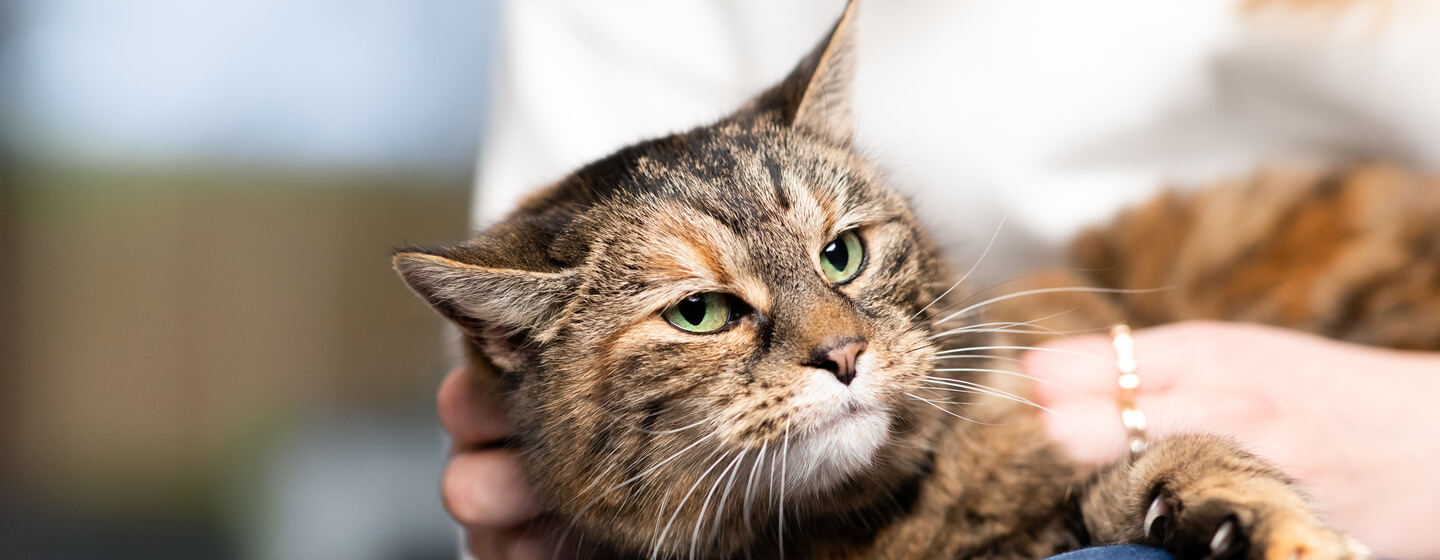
{"x":723,"y":343}
{"x":1353,"y":254}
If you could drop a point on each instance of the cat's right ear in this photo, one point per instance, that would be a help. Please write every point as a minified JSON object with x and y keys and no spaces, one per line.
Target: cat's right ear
{"x":481,"y":299}
{"x":816,"y":95}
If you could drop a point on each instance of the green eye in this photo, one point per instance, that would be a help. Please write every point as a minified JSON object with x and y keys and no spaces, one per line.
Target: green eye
{"x":840,"y":260}
{"x":700,"y":313}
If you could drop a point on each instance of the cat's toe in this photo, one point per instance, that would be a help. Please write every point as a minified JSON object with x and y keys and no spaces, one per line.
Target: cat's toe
{"x":1294,"y":540}
{"x":1212,"y":529}
{"x":1223,"y":530}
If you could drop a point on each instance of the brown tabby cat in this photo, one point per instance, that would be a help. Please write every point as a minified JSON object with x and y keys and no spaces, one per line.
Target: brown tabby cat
{"x":722,"y":343}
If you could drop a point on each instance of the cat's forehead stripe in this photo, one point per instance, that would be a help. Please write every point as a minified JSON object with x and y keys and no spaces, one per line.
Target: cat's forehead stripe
{"x":690,"y":244}
{"x":687,"y":249}
{"x":777,"y":182}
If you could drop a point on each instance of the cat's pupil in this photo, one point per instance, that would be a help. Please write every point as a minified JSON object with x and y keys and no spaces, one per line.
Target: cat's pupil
{"x":837,"y":255}
{"x":692,"y":309}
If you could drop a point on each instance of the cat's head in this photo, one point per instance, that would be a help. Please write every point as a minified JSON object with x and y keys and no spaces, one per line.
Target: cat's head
{"x":696,"y":324}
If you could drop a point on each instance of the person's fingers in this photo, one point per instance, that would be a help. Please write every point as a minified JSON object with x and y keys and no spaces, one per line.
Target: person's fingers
{"x":469,"y":411}
{"x":1090,"y":429}
{"x":1085,"y":366}
{"x":1070,"y":369}
{"x":486,"y":489}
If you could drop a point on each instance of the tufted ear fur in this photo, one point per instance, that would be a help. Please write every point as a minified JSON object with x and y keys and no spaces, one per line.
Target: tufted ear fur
{"x":492,"y":303}
{"x":816,"y":95}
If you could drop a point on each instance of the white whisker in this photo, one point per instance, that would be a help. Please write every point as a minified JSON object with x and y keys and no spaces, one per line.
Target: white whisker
{"x":957,"y":283}
{"x":999,"y":371}
{"x":1039,"y":348}
{"x":784,"y":462}
{"x":978,"y":327}
{"x":750,"y":485}
{"x":659,"y":517}
{"x":1036,"y":329}
{"x":724,"y":498}
{"x":973,"y":328}
{"x":1011,"y":331}
{"x":700,"y":519}
{"x":986,"y":390}
{"x":928,"y":388}
{"x":1076,"y":289}
{"x":941,"y":408}
{"x":978,"y":357}
{"x":661,"y":539}
{"x":676,"y":430}
{"x":977,"y":392}
{"x":627,"y":482}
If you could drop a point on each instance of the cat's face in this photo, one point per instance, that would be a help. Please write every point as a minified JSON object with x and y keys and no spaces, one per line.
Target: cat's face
{"x":779,"y":296}
{"x":700,"y":326}
{"x":759,"y":325}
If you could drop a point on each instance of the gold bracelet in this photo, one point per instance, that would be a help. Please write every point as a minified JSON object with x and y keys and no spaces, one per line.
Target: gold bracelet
{"x":1129,"y":381}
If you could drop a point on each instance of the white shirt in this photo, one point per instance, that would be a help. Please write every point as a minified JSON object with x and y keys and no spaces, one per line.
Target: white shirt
{"x":1051,"y":112}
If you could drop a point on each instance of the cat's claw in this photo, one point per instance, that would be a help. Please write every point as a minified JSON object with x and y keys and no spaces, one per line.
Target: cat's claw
{"x":1157,"y":518}
{"x":1223,"y":539}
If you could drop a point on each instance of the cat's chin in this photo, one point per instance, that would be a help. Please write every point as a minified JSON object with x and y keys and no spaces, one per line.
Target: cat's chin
{"x":825,"y":455}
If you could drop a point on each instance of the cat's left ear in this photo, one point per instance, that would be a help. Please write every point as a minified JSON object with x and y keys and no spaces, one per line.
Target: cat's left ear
{"x":816,"y":95}
{"x":482,"y":297}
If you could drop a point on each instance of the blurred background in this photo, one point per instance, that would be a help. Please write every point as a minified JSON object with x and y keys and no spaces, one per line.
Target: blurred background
{"x":203,"y":351}
{"x":205,"y":355}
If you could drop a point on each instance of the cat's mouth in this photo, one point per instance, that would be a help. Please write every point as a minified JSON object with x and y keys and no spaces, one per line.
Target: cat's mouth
{"x":834,"y":405}
{"x":848,"y":411}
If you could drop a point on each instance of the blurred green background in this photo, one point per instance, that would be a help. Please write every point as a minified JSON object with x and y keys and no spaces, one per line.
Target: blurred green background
{"x":203,"y":351}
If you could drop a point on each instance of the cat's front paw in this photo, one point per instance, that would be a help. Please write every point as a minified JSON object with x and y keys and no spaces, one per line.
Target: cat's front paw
{"x":1222,"y":528}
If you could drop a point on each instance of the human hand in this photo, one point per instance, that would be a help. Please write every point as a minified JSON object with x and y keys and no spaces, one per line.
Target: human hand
{"x":483,"y":486}
{"x":1355,"y":425}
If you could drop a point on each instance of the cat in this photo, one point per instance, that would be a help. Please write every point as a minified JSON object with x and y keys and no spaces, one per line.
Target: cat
{"x":1352,"y":253}
{"x":722,"y":343}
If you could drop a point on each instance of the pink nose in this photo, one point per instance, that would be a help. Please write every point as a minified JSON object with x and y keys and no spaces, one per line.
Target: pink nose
{"x":839,"y":358}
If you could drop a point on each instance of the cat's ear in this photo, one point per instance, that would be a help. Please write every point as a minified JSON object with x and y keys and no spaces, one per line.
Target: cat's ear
{"x":816,"y":95}
{"x":483,"y":299}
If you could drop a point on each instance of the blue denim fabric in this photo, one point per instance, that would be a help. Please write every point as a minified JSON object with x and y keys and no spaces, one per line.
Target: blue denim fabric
{"x":1123,"y":552}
